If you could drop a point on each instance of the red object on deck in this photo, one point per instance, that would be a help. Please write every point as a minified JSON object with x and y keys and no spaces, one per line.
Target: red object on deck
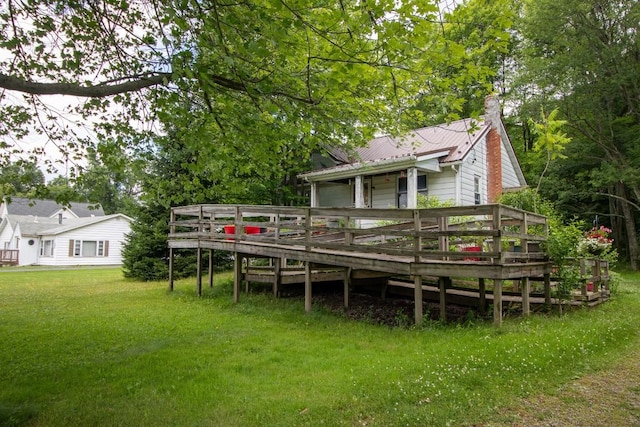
{"x":249,"y":229}
{"x":472,"y":249}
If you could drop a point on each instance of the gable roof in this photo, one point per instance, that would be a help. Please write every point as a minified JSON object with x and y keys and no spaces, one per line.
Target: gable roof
{"x":34,"y":226}
{"x":49,"y":208}
{"x":427,"y":148}
{"x":455,"y":138}
{"x":81,"y":222}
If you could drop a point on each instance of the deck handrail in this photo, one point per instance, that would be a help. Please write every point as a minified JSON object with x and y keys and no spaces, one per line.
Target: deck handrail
{"x":438,"y":233}
{"x":9,"y":256}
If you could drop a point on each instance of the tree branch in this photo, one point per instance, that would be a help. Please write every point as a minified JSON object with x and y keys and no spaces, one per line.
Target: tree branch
{"x":75,"y":89}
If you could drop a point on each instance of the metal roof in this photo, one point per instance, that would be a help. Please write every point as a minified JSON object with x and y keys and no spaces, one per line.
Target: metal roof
{"x":456,"y":137}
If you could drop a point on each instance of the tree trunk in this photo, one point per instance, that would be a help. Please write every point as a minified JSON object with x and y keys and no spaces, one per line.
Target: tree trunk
{"x":630,"y":227}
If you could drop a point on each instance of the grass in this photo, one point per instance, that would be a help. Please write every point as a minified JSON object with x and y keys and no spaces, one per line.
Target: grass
{"x":87,"y":347}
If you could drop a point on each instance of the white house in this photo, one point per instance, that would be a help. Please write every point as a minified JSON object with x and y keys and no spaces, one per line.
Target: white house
{"x":467,"y":161}
{"x":41,"y":232}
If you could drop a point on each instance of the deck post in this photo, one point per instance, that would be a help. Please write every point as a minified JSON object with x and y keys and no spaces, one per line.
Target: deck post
{"x":211,"y":268}
{"x":547,"y":289}
{"x":307,"y":286}
{"x":526,"y":290}
{"x":443,"y":282}
{"x":497,"y":302}
{"x":172,"y":230}
{"x":347,"y":285}
{"x":170,"y":269}
{"x":482,"y":294}
{"x":277,"y":267}
{"x":237,"y":275}
{"x":417,"y":293}
{"x":199,"y":272}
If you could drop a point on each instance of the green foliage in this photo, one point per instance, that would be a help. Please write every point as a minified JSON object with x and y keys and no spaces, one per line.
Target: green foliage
{"x":255,"y":73}
{"x":529,"y":200}
{"x":428,"y":202}
{"x":588,"y":71}
{"x":20,"y":179}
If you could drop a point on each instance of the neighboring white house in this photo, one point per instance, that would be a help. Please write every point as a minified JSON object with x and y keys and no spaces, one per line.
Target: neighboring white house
{"x":41,"y":232}
{"x":467,"y":161}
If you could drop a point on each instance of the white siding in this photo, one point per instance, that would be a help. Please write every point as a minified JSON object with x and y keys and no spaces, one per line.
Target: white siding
{"x":509,"y":176}
{"x":112,"y":230}
{"x":384,"y":191}
{"x":29,"y":253}
{"x":334,"y":195}
{"x":474,"y":164}
{"x":442,"y":185}
{"x":5,"y":236}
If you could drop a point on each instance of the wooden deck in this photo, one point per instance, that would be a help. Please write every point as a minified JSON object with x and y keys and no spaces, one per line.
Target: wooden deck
{"x":9,"y":257}
{"x":412,"y":243}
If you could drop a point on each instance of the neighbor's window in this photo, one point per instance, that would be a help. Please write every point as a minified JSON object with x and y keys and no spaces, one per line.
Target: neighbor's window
{"x":402,"y":189}
{"x":476,"y":190}
{"x":89,"y":248}
{"x":46,"y":248}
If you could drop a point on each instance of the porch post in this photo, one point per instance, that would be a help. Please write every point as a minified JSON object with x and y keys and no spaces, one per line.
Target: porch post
{"x":314,"y":194}
{"x":497,"y":302}
{"x":359,"y":190}
{"x":417,"y":299}
{"x":412,"y":188}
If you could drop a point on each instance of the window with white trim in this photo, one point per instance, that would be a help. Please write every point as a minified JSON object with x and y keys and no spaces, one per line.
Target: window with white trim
{"x":88,"y":248}
{"x":476,"y":190}
{"x":402,"y":189}
{"x":46,"y":248}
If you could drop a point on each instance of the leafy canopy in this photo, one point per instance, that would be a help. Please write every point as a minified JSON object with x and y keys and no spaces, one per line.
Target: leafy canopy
{"x":255,"y":73}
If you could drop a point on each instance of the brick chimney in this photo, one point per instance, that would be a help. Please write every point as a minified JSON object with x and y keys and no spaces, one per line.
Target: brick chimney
{"x":494,"y":148}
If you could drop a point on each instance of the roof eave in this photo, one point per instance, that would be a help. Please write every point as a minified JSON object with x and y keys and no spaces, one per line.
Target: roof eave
{"x":376,"y":166}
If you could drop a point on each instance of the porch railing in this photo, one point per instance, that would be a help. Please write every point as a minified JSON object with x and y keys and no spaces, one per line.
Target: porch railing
{"x":9,"y":256}
{"x":480,"y":233}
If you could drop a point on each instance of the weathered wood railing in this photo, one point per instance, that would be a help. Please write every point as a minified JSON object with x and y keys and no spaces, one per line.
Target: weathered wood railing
{"x":9,"y":256}
{"x":492,"y":232}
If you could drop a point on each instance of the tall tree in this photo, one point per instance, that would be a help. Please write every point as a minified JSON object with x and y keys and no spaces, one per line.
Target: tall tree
{"x":336,"y":70}
{"x":20,"y":179}
{"x":584,"y":58}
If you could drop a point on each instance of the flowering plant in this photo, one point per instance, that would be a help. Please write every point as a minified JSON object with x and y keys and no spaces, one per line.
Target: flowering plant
{"x":595,"y":241}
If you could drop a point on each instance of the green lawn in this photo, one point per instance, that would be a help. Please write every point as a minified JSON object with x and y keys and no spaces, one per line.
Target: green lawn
{"x":87,"y":347}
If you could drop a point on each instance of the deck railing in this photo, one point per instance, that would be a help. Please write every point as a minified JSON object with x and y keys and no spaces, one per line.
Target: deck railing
{"x":480,"y":233}
{"x":9,"y":256}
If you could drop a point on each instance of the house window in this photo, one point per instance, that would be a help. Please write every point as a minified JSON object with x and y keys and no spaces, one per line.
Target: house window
{"x":88,"y":248}
{"x":46,"y":248}
{"x":402,"y":189}
{"x":476,"y":190}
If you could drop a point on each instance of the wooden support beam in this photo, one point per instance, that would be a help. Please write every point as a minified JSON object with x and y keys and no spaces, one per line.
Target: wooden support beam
{"x":482,"y":299}
{"x":246,"y":279}
{"x":199,"y":272}
{"x":547,"y":289}
{"x":526,"y":290}
{"x":417,"y":293}
{"x":307,"y":286}
{"x":497,"y":302}
{"x":172,"y":229}
{"x":211,"y":268}
{"x":347,"y":285}
{"x":170,"y":269}
{"x":277,"y":276}
{"x":237,"y":275}
{"x":443,"y":282}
